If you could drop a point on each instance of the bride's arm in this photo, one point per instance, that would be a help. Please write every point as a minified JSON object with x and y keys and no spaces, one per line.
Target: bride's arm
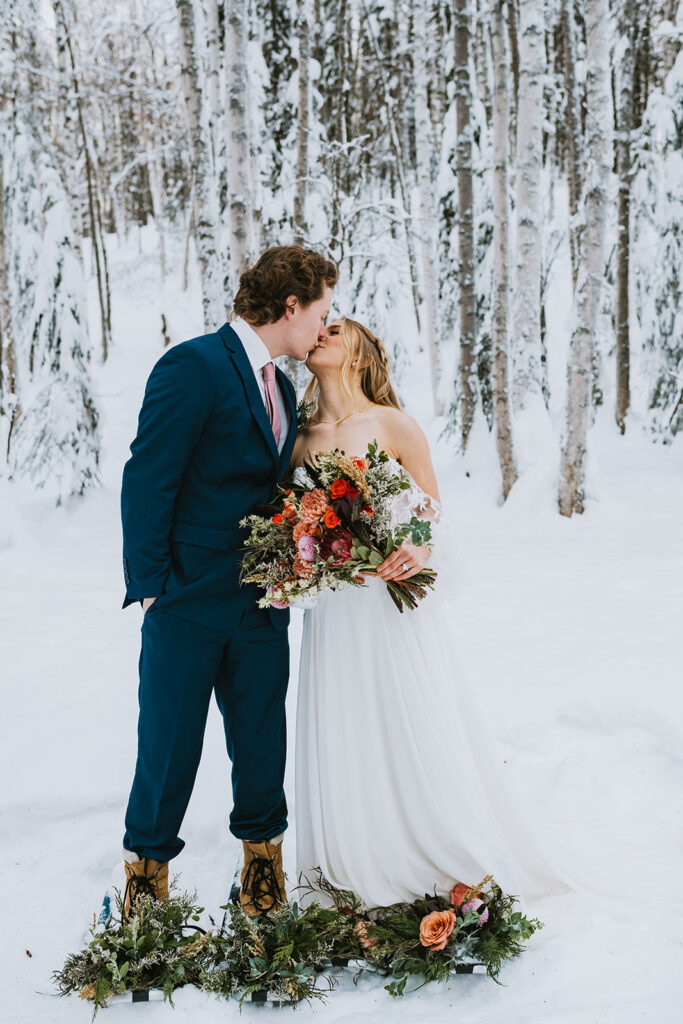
{"x":412,"y":449}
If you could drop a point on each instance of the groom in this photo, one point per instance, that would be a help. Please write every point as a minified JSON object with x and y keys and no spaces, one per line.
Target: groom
{"x":215,"y":434}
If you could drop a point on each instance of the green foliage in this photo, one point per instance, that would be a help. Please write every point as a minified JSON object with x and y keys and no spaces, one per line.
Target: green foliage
{"x":286,"y":952}
{"x":148,"y":950}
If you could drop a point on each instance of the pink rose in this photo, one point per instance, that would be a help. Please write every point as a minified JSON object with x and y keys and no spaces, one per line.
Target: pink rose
{"x":306,"y":548}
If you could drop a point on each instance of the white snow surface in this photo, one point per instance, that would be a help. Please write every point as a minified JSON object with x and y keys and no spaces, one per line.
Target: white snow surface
{"x":570,"y":628}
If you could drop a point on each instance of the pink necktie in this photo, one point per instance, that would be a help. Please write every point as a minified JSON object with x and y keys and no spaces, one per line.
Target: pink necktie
{"x":271,"y":399}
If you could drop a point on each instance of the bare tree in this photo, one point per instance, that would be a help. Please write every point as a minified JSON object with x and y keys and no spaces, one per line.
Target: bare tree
{"x":587,"y":296}
{"x":240,"y":197}
{"x":205,"y":211}
{"x":300,"y":228}
{"x":526,"y":324}
{"x":623,"y":81}
{"x":501,"y":401}
{"x":9,"y":385}
{"x":573,"y":133}
{"x":425,"y":183}
{"x":467,"y":300}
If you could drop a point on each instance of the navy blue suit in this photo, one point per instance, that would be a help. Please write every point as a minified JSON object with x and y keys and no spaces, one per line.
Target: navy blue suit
{"x":203,"y":456}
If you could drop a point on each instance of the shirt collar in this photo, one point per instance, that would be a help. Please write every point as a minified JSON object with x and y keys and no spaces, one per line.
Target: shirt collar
{"x":257,"y":353}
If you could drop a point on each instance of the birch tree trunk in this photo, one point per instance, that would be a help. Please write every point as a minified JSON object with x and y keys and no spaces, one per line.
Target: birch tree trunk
{"x":527,"y":378}
{"x":467,"y":301}
{"x":573,"y":134}
{"x":623,"y":103}
{"x":399,"y":150}
{"x":598,"y":120}
{"x":501,"y":402}
{"x":240,"y":207}
{"x":300,"y":227}
{"x":205,"y":206}
{"x":9,"y":389}
{"x":425,"y":183}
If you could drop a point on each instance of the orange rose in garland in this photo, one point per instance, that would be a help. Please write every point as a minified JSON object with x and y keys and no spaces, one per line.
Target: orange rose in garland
{"x":436,"y":928}
{"x":331,"y":519}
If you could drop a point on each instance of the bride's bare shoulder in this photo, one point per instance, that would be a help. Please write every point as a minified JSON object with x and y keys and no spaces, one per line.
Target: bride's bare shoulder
{"x":400,"y":426}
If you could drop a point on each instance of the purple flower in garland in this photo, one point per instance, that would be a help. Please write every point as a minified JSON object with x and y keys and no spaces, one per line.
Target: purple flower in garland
{"x":306,"y":548}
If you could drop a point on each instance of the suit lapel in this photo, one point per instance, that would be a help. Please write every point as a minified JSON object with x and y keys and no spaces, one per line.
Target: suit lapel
{"x":256,"y":403}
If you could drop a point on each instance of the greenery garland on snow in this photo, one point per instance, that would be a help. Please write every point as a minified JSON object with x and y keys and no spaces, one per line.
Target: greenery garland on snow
{"x":287,"y":952}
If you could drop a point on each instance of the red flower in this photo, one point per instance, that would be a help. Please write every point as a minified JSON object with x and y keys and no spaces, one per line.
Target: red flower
{"x":370,"y":511}
{"x":339,"y":488}
{"x":361,"y":463}
{"x":277,"y":518}
{"x":353,"y":491}
{"x":331,"y":519}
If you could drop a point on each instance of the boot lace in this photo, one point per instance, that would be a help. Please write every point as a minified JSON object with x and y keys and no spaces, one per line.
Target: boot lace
{"x":136,"y":886}
{"x":262,"y":884}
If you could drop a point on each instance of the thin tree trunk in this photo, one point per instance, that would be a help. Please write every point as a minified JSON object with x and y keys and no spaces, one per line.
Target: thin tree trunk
{"x":467,"y":299}
{"x":572,"y":471}
{"x":515,"y":62}
{"x":300,"y":226}
{"x":96,"y":234}
{"x":526,"y":324}
{"x":9,"y":388}
{"x":482,"y":70}
{"x":623,"y":107}
{"x":240,"y":205}
{"x":425,"y":183}
{"x":501,"y":402}
{"x":573,"y":133}
{"x":213,"y":301}
{"x":398,"y":156}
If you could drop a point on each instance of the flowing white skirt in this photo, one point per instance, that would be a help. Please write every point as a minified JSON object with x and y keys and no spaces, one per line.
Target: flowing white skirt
{"x":400,"y":788}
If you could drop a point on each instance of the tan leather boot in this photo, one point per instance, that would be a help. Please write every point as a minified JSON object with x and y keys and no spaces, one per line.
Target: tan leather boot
{"x":144,"y":877}
{"x":263,"y":880}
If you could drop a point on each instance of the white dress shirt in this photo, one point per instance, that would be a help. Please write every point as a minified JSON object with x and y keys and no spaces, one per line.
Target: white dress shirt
{"x":258,"y":355}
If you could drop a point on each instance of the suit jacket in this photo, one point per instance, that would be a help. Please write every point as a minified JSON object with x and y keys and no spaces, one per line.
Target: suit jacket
{"x":203,"y":456}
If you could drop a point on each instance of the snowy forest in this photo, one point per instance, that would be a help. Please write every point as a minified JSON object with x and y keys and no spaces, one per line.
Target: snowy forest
{"x":471,"y":167}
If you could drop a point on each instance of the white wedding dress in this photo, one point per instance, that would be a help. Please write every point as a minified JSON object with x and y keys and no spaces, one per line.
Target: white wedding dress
{"x":400,"y":788}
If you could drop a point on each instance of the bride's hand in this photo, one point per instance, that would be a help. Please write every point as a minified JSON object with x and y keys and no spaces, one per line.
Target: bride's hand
{"x":410,"y":555}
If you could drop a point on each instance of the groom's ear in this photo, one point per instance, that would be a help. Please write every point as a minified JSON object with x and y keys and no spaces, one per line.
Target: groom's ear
{"x":291,"y":305}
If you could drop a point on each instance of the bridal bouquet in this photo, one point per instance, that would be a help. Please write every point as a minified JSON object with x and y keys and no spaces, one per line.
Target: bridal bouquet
{"x":331,"y":529}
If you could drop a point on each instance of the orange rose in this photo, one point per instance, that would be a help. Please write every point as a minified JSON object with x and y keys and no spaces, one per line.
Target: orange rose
{"x":458,"y":893}
{"x":339,"y":488}
{"x":331,"y":519}
{"x":436,"y":928}
{"x":277,"y":518}
{"x":361,"y":463}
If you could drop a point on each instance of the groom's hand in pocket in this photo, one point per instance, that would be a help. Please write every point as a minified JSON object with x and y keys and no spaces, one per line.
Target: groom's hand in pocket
{"x":412,"y":556}
{"x":147,"y":602}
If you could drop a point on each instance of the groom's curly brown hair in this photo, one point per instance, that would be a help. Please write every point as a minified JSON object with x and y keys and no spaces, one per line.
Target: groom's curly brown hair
{"x":279,"y":272}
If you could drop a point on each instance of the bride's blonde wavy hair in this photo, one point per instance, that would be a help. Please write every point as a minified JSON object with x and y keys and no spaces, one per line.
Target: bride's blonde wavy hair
{"x":366,"y":348}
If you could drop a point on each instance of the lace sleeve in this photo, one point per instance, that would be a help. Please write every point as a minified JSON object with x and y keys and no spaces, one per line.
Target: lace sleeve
{"x":443,"y":558}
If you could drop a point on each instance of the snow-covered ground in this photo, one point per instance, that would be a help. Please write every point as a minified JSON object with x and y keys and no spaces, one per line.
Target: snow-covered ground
{"x":571,"y":631}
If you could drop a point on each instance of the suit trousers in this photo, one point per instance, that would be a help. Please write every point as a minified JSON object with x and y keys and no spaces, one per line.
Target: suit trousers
{"x":181,"y":664}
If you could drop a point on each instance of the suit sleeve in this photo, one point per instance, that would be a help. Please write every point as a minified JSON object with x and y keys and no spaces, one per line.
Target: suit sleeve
{"x":177,"y":403}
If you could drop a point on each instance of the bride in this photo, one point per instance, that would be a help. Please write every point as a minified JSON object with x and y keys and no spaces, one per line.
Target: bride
{"x":399,"y":788}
